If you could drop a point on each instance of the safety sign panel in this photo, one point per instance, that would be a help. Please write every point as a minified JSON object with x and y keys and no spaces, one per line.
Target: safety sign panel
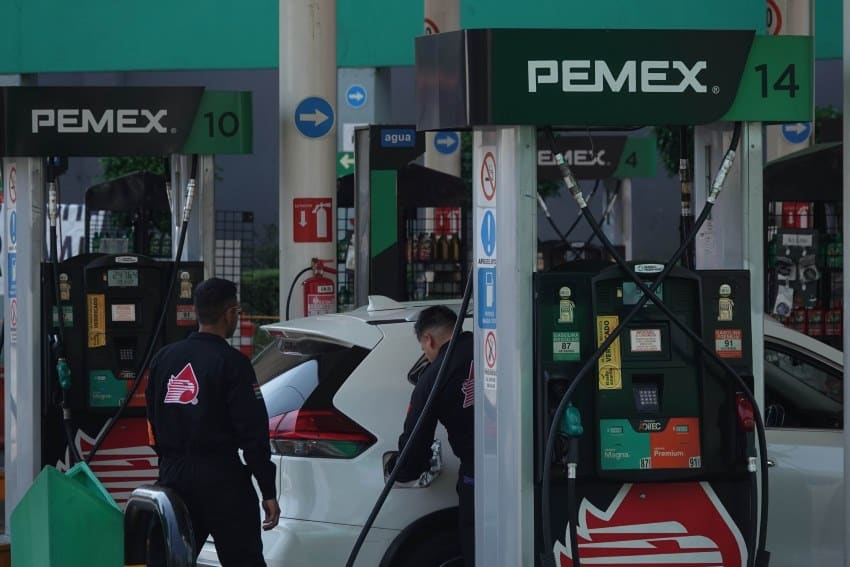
{"x":446,"y":142}
{"x":13,"y":176}
{"x":355,"y":96}
{"x":344,"y":163}
{"x":487,"y":180}
{"x":490,"y":358}
{"x":314,"y":117}
{"x":447,"y":221}
{"x":311,"y":219}
{"x":13,"y":229}
{"x":12,"y":273}
{"x":796,"y":132}
{"x":486,"y":244}
{"x":486,"y":300}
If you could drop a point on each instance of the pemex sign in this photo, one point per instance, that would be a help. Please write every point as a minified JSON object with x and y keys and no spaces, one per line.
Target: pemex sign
{"x":611,"y":77}
{"x":116,"y":121}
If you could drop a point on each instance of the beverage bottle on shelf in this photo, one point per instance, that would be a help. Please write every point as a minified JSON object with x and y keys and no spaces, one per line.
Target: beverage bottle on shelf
{"x":442,"y":252}
{"x":454,"y":248}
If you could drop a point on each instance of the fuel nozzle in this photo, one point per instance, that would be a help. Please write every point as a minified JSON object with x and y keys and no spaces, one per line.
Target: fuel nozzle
{"x":63,"y":372}
{"x":570,"y":425}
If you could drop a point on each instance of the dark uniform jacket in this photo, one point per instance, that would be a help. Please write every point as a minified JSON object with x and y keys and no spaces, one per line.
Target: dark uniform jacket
{"x":453,"y":407}
{"x":204,"y":403}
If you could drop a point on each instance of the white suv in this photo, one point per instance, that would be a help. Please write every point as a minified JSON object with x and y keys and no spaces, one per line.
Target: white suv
{"x":337,"y":388}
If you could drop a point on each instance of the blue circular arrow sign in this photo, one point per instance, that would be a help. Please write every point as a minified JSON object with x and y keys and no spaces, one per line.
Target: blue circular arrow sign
{"x":355,"y":96}
{"x":446,"y":142}
{"x":314,"y":117}
{"x":796,"y":132}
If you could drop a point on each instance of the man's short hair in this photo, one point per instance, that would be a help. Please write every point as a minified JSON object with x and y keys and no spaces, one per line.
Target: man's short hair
{"x":212,"y":298}
{"x":435,"y":317}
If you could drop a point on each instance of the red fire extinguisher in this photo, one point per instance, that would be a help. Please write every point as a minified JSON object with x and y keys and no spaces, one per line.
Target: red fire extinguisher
{"x":319,"y":291}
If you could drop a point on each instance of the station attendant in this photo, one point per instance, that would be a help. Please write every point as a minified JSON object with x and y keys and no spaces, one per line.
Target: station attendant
{"x":453,"y":407}
{"x":204,"y":404}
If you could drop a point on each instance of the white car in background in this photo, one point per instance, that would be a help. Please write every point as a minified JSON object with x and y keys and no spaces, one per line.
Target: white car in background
{"x":805,"y":449}
{"x":337,"y":389}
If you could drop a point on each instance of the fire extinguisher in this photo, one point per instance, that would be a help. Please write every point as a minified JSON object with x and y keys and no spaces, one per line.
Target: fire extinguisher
{"x":319,"y":291}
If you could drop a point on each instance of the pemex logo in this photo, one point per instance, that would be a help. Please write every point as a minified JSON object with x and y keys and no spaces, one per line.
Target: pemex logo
{"x":183,"y":388}
{"x":678,"y":524}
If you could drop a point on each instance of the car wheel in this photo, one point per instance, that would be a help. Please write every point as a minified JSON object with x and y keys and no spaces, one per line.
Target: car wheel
{"x":437,"y":549}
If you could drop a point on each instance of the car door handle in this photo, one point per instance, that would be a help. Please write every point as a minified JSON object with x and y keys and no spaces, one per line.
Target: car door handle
{"x":771,"y":463}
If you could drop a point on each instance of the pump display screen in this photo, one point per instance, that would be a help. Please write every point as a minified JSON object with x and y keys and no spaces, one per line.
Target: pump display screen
{"x":122,"y":278}
{"x":632,"y":293}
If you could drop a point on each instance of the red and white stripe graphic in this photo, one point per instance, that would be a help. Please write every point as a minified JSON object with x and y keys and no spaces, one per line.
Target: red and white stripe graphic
{"x":123,"y":462}
{"x":669,"y":525}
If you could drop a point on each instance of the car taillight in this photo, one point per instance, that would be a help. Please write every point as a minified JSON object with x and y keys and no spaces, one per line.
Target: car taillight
{"x":318,"y":433}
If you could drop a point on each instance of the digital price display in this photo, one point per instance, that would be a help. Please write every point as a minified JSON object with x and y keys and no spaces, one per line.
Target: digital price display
{"x":122,"y":278}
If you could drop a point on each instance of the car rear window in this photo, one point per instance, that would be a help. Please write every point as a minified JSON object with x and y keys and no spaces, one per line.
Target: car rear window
{"x":302,"y":371}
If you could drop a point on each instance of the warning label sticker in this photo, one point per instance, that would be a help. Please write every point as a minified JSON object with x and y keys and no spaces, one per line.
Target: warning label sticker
{"x":186,"y":316}
{"x":96,"y":317}
{"x":610,"y":375}
{"x":645,"y":340}
{"x":566,"y":346}
{"x":728,"y":343}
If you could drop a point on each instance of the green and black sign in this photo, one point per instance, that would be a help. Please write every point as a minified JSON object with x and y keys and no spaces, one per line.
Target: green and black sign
{"x":610,"y":77}
{"x":121,"y":121}
{"x":598,"y":157}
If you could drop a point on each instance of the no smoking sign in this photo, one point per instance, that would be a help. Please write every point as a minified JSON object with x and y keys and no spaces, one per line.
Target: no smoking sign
{"x":490,"y":350}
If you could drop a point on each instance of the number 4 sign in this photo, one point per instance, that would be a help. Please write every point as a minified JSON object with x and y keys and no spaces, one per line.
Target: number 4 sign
{"x":312,"y":219}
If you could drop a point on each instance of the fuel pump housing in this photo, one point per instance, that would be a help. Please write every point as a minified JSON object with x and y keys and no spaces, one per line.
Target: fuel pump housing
{"x":662,"y":444}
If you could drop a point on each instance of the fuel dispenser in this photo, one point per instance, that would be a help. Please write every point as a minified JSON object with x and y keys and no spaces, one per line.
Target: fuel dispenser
{"x":655,"y":423}
{"x":110,"y":307}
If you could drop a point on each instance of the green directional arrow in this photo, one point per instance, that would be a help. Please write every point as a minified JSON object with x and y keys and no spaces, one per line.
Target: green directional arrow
{"x":344,"y":163}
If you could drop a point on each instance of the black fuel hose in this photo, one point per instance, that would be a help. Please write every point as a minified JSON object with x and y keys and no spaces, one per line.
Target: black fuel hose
{"x":426,"y":410}
{"x":172,"y":284}
{"x":686,"y":215}
{"x":648,"y":294}
{"x":58,"y":347}
{"x":292,"y":288}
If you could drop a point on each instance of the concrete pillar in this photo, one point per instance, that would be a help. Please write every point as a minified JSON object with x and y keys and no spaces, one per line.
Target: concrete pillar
{"x":307,"y":82}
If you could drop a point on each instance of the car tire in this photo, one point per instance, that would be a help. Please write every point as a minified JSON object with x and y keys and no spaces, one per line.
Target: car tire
{"x":437,"y":549}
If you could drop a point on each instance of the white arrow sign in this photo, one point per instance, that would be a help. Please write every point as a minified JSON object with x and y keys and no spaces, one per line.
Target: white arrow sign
{"x":346,"y":161}
{"x":448,"y":142}
{"x":797,"y":128}
{"x":303,"y":221}
{"x":316,"y":117}
{"x":356,"y":95}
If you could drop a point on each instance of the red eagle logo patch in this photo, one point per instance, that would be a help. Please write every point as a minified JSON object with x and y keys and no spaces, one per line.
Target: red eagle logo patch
{"x":183,"y":388}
